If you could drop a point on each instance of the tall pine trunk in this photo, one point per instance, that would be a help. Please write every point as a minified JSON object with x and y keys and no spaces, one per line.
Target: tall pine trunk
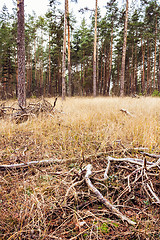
{"x":95,"y":54}
{"x":148,"y":68}
{"x":21,"y":54}
{"x":104,"y":72}
{"x":69,"y":55}
{"x":135,"y":69}
{"x":143,"y":67}
{"x":49,"y":70}
{"x":124,"y":53}
{"x":110,"y":64}
{"x":64,"y":55}
{"x":159,"y":72}
{"x":155,"y":50}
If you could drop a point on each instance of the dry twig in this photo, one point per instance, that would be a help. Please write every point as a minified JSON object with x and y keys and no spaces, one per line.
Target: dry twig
{"x":102,"y":199}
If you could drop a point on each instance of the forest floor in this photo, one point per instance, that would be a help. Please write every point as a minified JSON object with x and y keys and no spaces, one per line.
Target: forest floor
{"x":53,"y":201}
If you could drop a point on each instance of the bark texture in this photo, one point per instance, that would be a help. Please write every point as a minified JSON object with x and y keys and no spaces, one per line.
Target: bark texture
{"x":95,"y":51}
{"x":64,"y":55}
{"x":21,"y":54}
{"x":124,"y":53}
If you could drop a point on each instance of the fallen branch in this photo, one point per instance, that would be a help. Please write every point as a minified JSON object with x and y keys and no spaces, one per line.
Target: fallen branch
{"x":153,"y":193}
{"x":22,"y":114}
{"x":136,"y":161}
{"x":102,"y":199}
{"x":150,"y":155}
{"x":69,"y":189}
{"x":127,"y":112}
{"x":28,"y":164}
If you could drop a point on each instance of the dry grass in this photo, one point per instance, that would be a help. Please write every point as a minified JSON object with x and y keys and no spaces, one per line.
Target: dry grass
{"x":32,"y":201}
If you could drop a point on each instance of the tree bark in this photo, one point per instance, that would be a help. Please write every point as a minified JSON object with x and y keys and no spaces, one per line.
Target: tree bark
{"x":104,"y":72}
{"x":21,"y":54}
{"x":148,"y":68}
{"x":132,"y":74}
{"x":101,"y":73}
{"x":35,"y":61}
{"x":64,"y":55}
{"x":124,"y":53}
{"x":49,"y":66}
{"x":143,"y":67}
{"x":159,"y":72}
{"x":95,"y":53}
{"x":135,"y":69}
{"x":110,"y":64}
{"x":69,"y":55}
{"x":155,"y":50}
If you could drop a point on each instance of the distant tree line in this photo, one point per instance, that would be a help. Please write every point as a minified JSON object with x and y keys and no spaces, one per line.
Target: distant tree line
{"x":44,"y":47}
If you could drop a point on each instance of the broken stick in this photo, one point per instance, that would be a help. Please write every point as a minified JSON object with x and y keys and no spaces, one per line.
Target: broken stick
{"x":102,"y":199}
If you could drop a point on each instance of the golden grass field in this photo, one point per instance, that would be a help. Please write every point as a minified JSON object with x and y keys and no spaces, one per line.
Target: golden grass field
{"x":79,"y":128}
{"x":91,"y":125}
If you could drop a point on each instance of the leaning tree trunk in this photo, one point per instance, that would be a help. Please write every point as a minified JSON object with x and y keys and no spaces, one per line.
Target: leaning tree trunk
{"x":21,"y":54}
{"x":94,"y":54}
{"x":124,"y":53}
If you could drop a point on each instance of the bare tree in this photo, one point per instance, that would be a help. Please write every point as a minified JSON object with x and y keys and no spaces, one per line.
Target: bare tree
{"x":21,"y":54}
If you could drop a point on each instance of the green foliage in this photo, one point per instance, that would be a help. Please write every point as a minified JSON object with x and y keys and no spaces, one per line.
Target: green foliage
{"x":156,"y":93}
{"x":104,"y":228}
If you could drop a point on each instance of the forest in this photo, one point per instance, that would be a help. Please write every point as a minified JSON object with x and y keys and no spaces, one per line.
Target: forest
{"x":87,"y":168}
{"x":44,"y":51}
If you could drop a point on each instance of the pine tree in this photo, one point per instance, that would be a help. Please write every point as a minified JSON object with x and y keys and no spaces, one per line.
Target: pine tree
{"x":124,"y":53}
{"x":95,"y":54}
{"x":64,"y":55}
{"x":21,"y":54}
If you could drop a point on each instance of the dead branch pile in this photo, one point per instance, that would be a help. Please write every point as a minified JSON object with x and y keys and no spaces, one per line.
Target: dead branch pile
{"x":85,"y":200}
{"x":23,"y":114}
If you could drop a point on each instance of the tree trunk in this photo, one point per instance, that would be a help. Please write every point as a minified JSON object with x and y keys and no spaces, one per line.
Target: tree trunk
{"x":64,"y":55}
{"x":35,"y":60}
{"x":104,"y":73}
{"x":30,"y":80}
{"x":132,"y":75}
{"x":135,"y":69}
{"x":148,"y":68}
{"x":59,"y":77}
{"x":94,"y":54}
{"x":155,"y":50}
{"x":110,"y":64}
{"x":49,"y":80}
{"x":124,"y":53}
{"x":159,"y":72}
{"x":143,"y":67}
{"x":101,"y":73}
{"x":69,"y":55}
{"x":21,"y":54}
